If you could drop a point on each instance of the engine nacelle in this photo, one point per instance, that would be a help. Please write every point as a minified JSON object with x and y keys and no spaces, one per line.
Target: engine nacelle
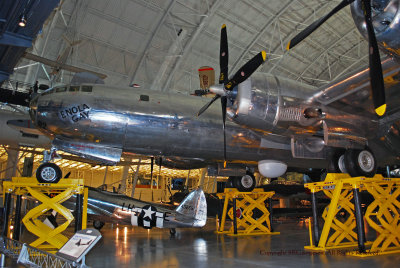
{"x":386,"y":22}
{"x":273,"y":104}
{"x":271,"y":168}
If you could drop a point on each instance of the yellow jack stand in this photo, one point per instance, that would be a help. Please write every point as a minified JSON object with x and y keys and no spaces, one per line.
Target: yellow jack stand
{"x":245,"y":203}
{"x":48,"y":239}
{"x":343,"y":221}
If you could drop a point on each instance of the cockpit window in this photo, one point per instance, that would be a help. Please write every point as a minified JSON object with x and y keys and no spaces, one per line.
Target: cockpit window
{"x":86,"y":89}
{"x":61,"y":89}
{"x":74,"y":88}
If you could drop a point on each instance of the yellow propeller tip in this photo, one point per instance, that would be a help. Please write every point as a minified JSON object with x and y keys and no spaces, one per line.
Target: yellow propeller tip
{"x":288,"y":46}
{"x":223,"y":26}
{"x":381,"y":110}
{"x":264,"y":55}
{"x":224,"y":164}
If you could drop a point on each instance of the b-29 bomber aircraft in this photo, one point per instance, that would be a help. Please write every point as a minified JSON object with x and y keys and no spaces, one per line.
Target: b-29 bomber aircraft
{"x":274,"y":123}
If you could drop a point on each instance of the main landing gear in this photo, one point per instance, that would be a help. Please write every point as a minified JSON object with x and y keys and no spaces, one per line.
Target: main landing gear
{"x":49,"y":172}
{"x":355,"y":162}
{"x":245,"y":183}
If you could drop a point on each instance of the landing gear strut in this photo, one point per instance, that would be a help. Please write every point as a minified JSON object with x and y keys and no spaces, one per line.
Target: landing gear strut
{"x":49,"y":172}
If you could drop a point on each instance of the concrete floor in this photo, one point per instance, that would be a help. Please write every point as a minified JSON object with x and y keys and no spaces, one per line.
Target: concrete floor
{"x":135,"y":247}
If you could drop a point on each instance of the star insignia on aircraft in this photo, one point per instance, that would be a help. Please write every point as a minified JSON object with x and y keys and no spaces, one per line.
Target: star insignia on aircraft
{"x":148,"y":213}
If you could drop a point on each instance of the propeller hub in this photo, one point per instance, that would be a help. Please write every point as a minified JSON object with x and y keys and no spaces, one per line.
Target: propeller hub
{"x":218,"y":89}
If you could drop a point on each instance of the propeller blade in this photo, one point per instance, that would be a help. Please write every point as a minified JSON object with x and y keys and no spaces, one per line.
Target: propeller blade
{"x":223,"y":105}
{"x":375,"y":67}
{"x":246,"y":70}
{"x":205,"y":107}
{"x":311,"y":28}
{"x":223,"y":56}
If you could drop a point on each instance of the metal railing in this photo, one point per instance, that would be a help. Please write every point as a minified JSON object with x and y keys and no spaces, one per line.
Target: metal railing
{"x":33,"y":257}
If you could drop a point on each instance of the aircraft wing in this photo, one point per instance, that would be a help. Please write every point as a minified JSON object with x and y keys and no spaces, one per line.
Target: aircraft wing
{"x":25,"y":126}
{"x":55,"y":64}
{"x":351,"y":119}
{"x":353,"y":94}
{"x":340,"y":114}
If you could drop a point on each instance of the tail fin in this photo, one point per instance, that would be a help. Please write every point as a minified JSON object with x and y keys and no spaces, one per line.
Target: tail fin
{"x":195,"y":206}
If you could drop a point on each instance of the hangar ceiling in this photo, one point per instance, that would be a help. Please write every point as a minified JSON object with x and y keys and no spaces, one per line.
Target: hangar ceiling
{"x":160,"y":44}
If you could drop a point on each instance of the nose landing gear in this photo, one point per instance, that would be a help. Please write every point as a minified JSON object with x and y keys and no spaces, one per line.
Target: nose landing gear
{"x":244,"y":183}
{"x":49,"y":172}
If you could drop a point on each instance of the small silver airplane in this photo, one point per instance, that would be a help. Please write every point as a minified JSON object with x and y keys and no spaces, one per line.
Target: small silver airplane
{"x":105,"y":206}
{"x":274,"y":123}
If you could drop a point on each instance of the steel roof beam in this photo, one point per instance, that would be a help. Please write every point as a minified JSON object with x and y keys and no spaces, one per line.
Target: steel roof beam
{"x":313,"y":61}
{"x":193,"y":37}
{"x":257,"y":36}
{"x":134,"y":71}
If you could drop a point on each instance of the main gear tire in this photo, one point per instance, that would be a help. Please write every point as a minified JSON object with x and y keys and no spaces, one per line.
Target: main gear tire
{"x":360,"y":163}
{"x":48,"y":173}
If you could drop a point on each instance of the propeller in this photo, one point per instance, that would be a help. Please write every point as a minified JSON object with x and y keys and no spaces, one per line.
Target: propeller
{"x":229,"y":84}
{"x":376,"y":76}
{"x":311,"y":28}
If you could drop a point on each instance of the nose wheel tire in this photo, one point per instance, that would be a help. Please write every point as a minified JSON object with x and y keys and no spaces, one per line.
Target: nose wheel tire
{"x":98,"y":224}
{"x":245,"y":183}
{"x":360,"y":163}
{"x":48,"y":173}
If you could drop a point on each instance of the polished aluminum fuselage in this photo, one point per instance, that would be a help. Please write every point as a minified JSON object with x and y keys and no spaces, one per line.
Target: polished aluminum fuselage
{"x":112,"y":207}
{"x":164,"y":125}
{"x":161,"y":124}
{"x":266,"y":117}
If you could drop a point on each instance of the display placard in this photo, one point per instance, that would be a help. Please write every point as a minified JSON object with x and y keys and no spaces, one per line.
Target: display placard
{"x":79,"y":244}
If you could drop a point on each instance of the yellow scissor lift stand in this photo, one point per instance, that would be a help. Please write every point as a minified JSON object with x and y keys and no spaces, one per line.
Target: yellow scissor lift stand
{"x":382,"y":215}
{"x":246,"y":202}
{"x":48,"y":239}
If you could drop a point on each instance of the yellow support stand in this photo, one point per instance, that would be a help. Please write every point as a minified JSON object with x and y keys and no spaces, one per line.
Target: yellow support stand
{"x":246,"y":202}
{"x":51,"y":195}
{"x":339,"y":230}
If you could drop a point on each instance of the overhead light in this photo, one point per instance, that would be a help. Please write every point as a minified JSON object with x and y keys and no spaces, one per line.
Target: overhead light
{"x":22,"y":21}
